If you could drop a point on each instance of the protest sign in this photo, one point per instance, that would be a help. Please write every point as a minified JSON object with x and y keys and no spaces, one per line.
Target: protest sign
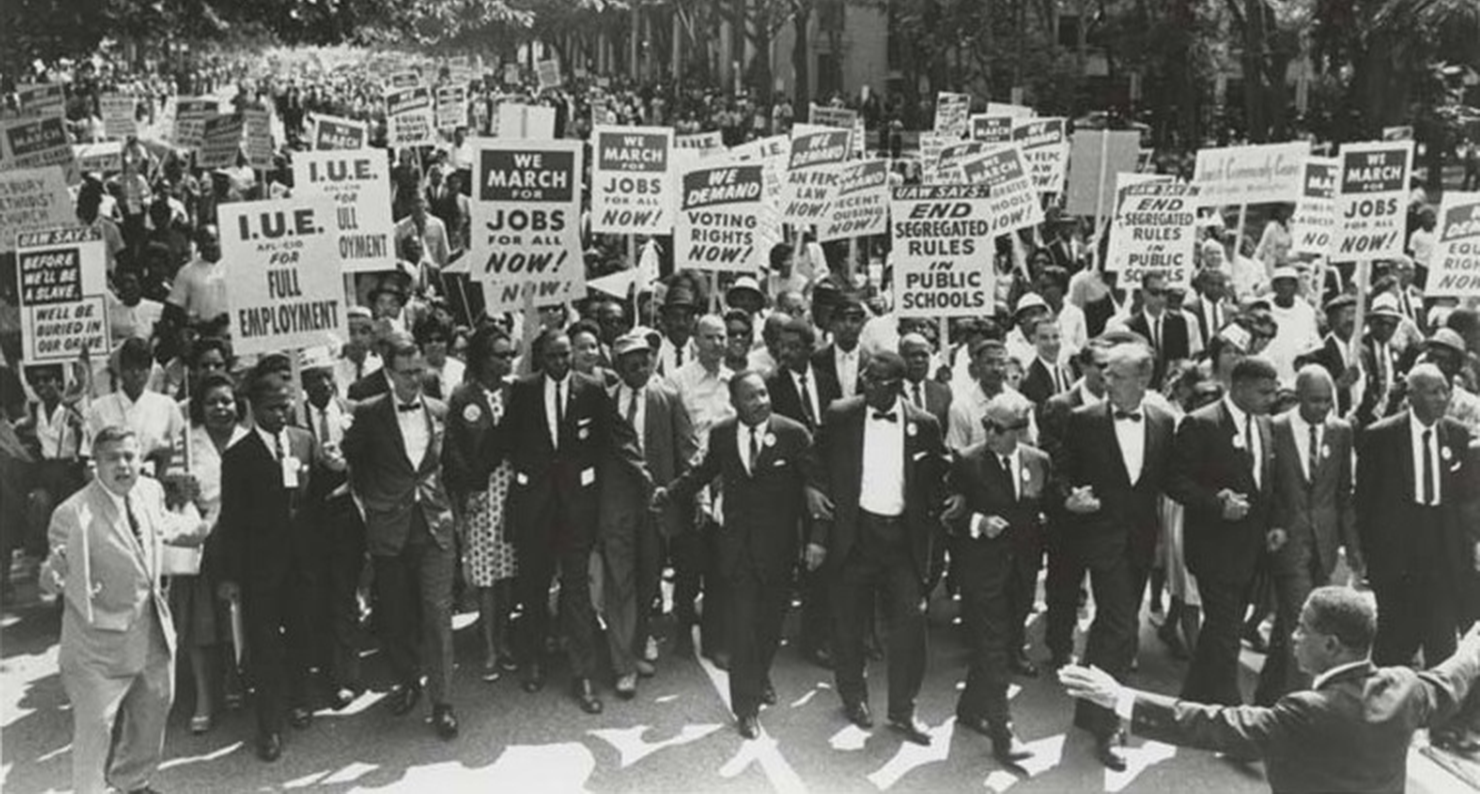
{"x":632,"y":188}
{"x":812,"y":173}
{"x":1455,"y":268}
{"x":719,"y":217}
{"x":771,"y":153}
{"x":931,"y":145}
{"x":452,"y":107}
{"x":62,"y":280}
{"x":287,"y":289}
{"x":1372,"y":200}
{"x":1014,"y":202}
{"x":861,"y":206}
{"x":1313,"y":223}
{"x":258,"y":129}
{"x":991,"y":129}
{"x":1095,"y":157}
{"x":118,"y":111}
{"x":1250,"y":174}
{"x":1045,"y":148}
{"x":358,"y":183}
{"x":41,"y":100}
{"x":408,"y":117}
{"x":190,"y":120}
{"x":548,"y":73}
{"x":526,"y":122}
{"x":952,"y":155}
{"x":701,"y":142}
{"x":1403,"y":133}
{"x":951,"y":111}
{"x":526,"y":218}
{"x":221,"y":141}
{"x":32,"y":199}
{"x":331,"y":133}
{"x":1013,"y":110}
{"x":511,"y":73}
{"x":1154,"y":231}
{"x":99,"y":158}
{"x":407,"y":79}
{"x":840,"y":118}
{"x":942,"y":250}
{"x":36,"y":143}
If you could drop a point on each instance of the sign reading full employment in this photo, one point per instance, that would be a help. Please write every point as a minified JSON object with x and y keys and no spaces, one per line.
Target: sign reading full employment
{"x":861,"y":207}
{"x":1455,"y":268}
{"x":1371,"y":200}
{"x":1014,"y":203}
{"x":942,"y":250}
{"x":812,"y":174}
{"x":1250,"y":174}
{"x":287,"y":289}
{"x":719,"y":217}
{"x":408,"y":117}
{"x":632,"y":190}
{"x":1313,"y":224}
{"x":359,"y":184}
{"x":526,"y":222}
{"x":1155,"y":231}
{"x":63,"y":286}
{"x":332,"y":134}
{"x":32,"y":199}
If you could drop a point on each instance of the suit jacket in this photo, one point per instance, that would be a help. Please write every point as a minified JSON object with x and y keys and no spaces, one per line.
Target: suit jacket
{"x":937,"y":398}
{"x":1196,"y":307}
{"x":1127,"y":521}
{"x":787,"y":400}
{"x":835,"y":468}
{"x":264,"y":527}
{"x":1376,"y":403}
{"x":1053,"y":420}
{"x":1330,"y":356}
{"x":1318,"y":513}
{"x":669,"y":447}
{"x":825,"y":369}
{"x":388,"y":486}
{"x":1386,"y":483}
{"x":372,"y":385}
{"x":1205,"y":460}
{"x":764,"y":507}
{"x":326,"y":483}
{"x":1175,"y":340}
{"x":977,"y":474}
{"x":465,"y":468}
{"x":1350,"y":735}
{"x":1037,"y":384}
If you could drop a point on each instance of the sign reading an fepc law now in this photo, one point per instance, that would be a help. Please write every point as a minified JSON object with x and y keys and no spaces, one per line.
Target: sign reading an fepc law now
{"x":812,"y":174}
{"x":526,"y":221}
{"x":331,"y":133}
{"x":942,"y":250}
{"x":287,"y":289}
{"x":719,"y":216}
{"x":861,"y":207}
{"x":63,"y":284}
{"x":1313,"y":224}
{"x":1155,"y":231}
{"x":632,"y":189}
{"x":359,"y":184}
{"x":1371,"y":200}
{"x":1045,"y":149}
{"x":1455,"y":268}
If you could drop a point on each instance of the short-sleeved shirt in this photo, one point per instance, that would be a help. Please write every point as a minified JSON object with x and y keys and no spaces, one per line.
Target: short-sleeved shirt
{"x":200,"y":289}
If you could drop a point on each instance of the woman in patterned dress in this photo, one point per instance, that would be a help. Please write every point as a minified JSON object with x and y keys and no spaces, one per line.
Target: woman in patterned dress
{"x":481,"y":486}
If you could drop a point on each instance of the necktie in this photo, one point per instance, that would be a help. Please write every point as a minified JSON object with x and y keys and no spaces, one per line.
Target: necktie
{"x":359,"y":370}
{"x":1156,"y":333}
{"x":1382,"y":366}
{"x":1428,"y":468}
{"x":807,"y":412}
{"x":1006,"y":461}
{"x":677,"y":356}
{"x":1249,"y":445}
{"x":1213,"y":325}
{"x":632,"y":410}
{"x":755,"y":449}
{"x":559,"y":412}
{"x":919,"y":395}
{"x":887,"y":416}
{"x":277,"y":447}
{"x":324,"y":436}
{"x":1313,"y":455}
{"x":133,"y":520}
{"x":1058,"y":379}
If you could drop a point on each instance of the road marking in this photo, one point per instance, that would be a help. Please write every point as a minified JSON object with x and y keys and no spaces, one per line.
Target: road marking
{"x":1138,"y":760}
{"x":911,"y":756}
{"x":633,"y":748}
{"x":763,"y":751}
{"x":850,"y":738}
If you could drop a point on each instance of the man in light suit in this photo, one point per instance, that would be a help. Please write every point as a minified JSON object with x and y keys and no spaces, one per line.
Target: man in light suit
{"x":1313,"y":515}
{"x":118,"y":639}
{"x":394,"y":450}
{"x":630,"y":535}
{"x":876,"y":474}
{"x":1349,"y":732}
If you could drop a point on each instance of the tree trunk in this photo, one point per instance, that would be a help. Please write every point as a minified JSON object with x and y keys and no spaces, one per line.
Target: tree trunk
{"x":800,"y":58}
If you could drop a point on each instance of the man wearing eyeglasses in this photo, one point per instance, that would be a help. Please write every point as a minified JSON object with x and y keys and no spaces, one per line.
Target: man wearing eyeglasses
{"x":1167,"y":331}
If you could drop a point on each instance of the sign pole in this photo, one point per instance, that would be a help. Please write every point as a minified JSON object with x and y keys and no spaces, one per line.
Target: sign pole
{"x":1100,"y":198}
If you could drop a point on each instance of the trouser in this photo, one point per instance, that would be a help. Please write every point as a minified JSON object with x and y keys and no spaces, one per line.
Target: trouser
{"x":538,"y":562}
{"x":1112,"y":637}
{"x":139,"y":703}
{"x":1021,"y":589}
{"x":631,"y":558}
{"x":694,"y":560}
{"x":1281,"y":674}
{"x":280,"y":637}
{"x":755,"y":610}
{"x":341,"y":563}
{"x":986,"y":570}
{"x":891,"y":570}
{"x":816,"y":612}
{"x":1066,"y":570}
{"x":1414,"y":611}
{"x":414,"y":600}
{"x":1213,"y":675}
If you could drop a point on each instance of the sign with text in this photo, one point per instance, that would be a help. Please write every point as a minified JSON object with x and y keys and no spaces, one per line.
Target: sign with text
{"x":526,"y":218}
{"x":105,"y":157}
{"x":32,"y":199}
{"x":406,"y":79}
{"x":37,"y":143}
{"x":190,"y":120}
{"x":1455,"y":268}
{"x":408,"y":117}
{"x":951,"y":119}
{"x":257,"y":123}
{"x":942,"y":251}
{"x":287,"y":289}
{"x":952,"y":155}
{"x":358,"y":183}
{"x":331,"y":133}
{"x":719,"y":217}
{"x":1372,"y":200}
{"x":1045,"y":146}
{"x":991,"y":129}
{"x":62,"y":281}
{"x":840,"y":118}
{"x":1014,"y":203}
{"x":118,"y":111}
{"x":1260,"y":174}
{"x":632,"y":189}
{"x":548,"y":73}
{"x":41,"y":99}
{"x":221,"y":142}
{"x":452,"y":107}
{"x":1154,"y":231}
{"x":861,"y":206}
{"x":702,"y":142}
{"x":812,"y":174}
{"x":1313,"y":224}
{"x":525,"y":122}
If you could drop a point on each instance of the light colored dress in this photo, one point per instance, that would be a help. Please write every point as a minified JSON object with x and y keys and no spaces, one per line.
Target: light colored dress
{"x":198,"y":614}
{"x":490,"y":554}
{"x":1180,"y":581}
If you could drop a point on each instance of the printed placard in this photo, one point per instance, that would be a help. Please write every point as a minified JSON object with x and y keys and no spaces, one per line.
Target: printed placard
{"x":861,"y":206}
{"x":632,"y":186}
{"x":105,"y":157}
{"x":840,"y":118}
{"x":452,"y":107}
{"x":37,"y":143}
{"x":525,"y":122}
{"x":190,"y":121}
{"x":702,"y":142}
{"x":358,"y":183}
{"x":951,"y":157}
{"x":548,"y":73}
{"x":408,"y":117}
{"x":221,"y":141}
{"x":942,"y":251}
{"x":951,"y":115}
{"x":406,"y":79}
{"x":719,"y":217}
{"x":988,"y":128}
{"x":119,"y":115}
{"x":331,"y":133}
{"x":1372,"y":200}
{"x":257,"y":123}
{"x":62,"y":281}
{"x":42,"y":99}
{"x":812,"y":173}
{"x":1045,"y":146}
{"x":1455,"y":268}
{"x":1260,"y":174}
{"x":1154,"y":231}
{"x":31,"y":200}
{"x":287,"y":289}
{"x":1313,"y":224}
{"x":1014,"y":203}
{"x":526,"y":213}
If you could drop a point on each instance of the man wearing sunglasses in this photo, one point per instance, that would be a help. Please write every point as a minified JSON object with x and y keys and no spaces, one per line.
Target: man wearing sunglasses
{"x":1166,"y":330}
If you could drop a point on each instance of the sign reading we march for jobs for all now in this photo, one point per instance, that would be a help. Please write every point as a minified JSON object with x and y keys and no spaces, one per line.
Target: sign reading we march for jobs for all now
{"x":1372,"y":200}
{"x":62,"y":285}
{"x":632,"y":189}
{"x":526,"y":221}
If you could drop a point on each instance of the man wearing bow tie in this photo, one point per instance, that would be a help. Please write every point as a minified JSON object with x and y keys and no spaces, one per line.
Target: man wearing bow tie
{"x":1114,"y":460}
{"x":875,"y":478}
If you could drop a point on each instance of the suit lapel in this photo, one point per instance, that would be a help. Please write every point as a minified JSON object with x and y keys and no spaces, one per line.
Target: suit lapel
{"x":1107,"y":420}
{"x":656,"y":416}
{"x":118,"y":524}
{"x":434,"y":444}
{"x":394,"y":427}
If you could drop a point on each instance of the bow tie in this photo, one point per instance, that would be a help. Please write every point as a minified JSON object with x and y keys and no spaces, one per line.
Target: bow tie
{"x":887,"y":417}
{"x":404,"y":407}
{"x":1134,"y":416}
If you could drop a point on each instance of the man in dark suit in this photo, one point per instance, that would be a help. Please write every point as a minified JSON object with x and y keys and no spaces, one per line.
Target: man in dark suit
{"x":1313,"y":515}
{"x":840,"y":365}
{"x":923,"y":391}
{"x":1222,"y":473}
{"x":1046,"y":375}
{"x":371,"y":385}
{"x":631,"y":536}
{"x":559,"y":428}
{"x":1381,"y":372}
{"x":1411,"y":494}
{"x":266,"y":549}
{"x":1114,"y":463}
{"x":1166,"y":330}
{"x":1210,"y":307}
{"x":758,"y":456}
{"x":876,"y":474}
{"x":394,"y":450}
{"x":1349,"y":732}
{"x":1334,"y":354}
{"x":998,"y":519}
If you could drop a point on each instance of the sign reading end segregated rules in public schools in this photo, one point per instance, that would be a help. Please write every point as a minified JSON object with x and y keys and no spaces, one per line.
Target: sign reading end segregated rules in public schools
{"x":942,"y":250}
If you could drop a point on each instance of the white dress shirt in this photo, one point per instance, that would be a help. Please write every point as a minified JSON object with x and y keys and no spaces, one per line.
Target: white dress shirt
{"x":274,"y":443}
{"x":1256,"y":453}
{"x":1321,"y":679}
{"x":550,"y":413}
{"x":1061,"y":379}
{"x":847,"y":367}
{"x":416,"y":430}
{"x":881,"y":490}
{"x":668,"y":356}
{"x":1301,"y":429}
{"x":1416,"y":429}
{"x":55,"y":434}
{"x":1131,"y":436}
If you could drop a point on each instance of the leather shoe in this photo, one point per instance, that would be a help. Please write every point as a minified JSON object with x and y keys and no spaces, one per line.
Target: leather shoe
{"x":977,"y":723}
{"x":645,"y":668}
{"x":444,"y":721}
{"x":627,"y":686}
{"x":1022,"y":665}
{"x":821,"y":657}
{"x":534,"y":678}
{"x":586,"y":696}
{"x":1007,"y":747}
{"x":342,"y":697}
{"x":300,"y":717}
{"x":269,"y":747}
{"x":911,"y":729}
{"x":1108,"y":753}
{"x":857,"y":713}
{"x":768,"y":694}
{"x":405,"y":699}
{"x":750,"y":727}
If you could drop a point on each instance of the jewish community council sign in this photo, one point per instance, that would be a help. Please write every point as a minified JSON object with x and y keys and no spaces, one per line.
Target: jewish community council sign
{"x":632,"y":190}
{"x":719,"y":217}
{"x":1372,"y":200}
{"x":526,"y":213}
{"x":62,"y":281}
{"x":358,"y":182}
{"x":942,"y":250}
{"x":1250,"y":174}
{"x":1455,"y":269}
{"x":287,"y":288}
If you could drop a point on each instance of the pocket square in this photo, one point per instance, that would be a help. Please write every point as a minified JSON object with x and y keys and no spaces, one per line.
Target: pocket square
{"x":919,"y":455}
{"x":779,"y":463}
